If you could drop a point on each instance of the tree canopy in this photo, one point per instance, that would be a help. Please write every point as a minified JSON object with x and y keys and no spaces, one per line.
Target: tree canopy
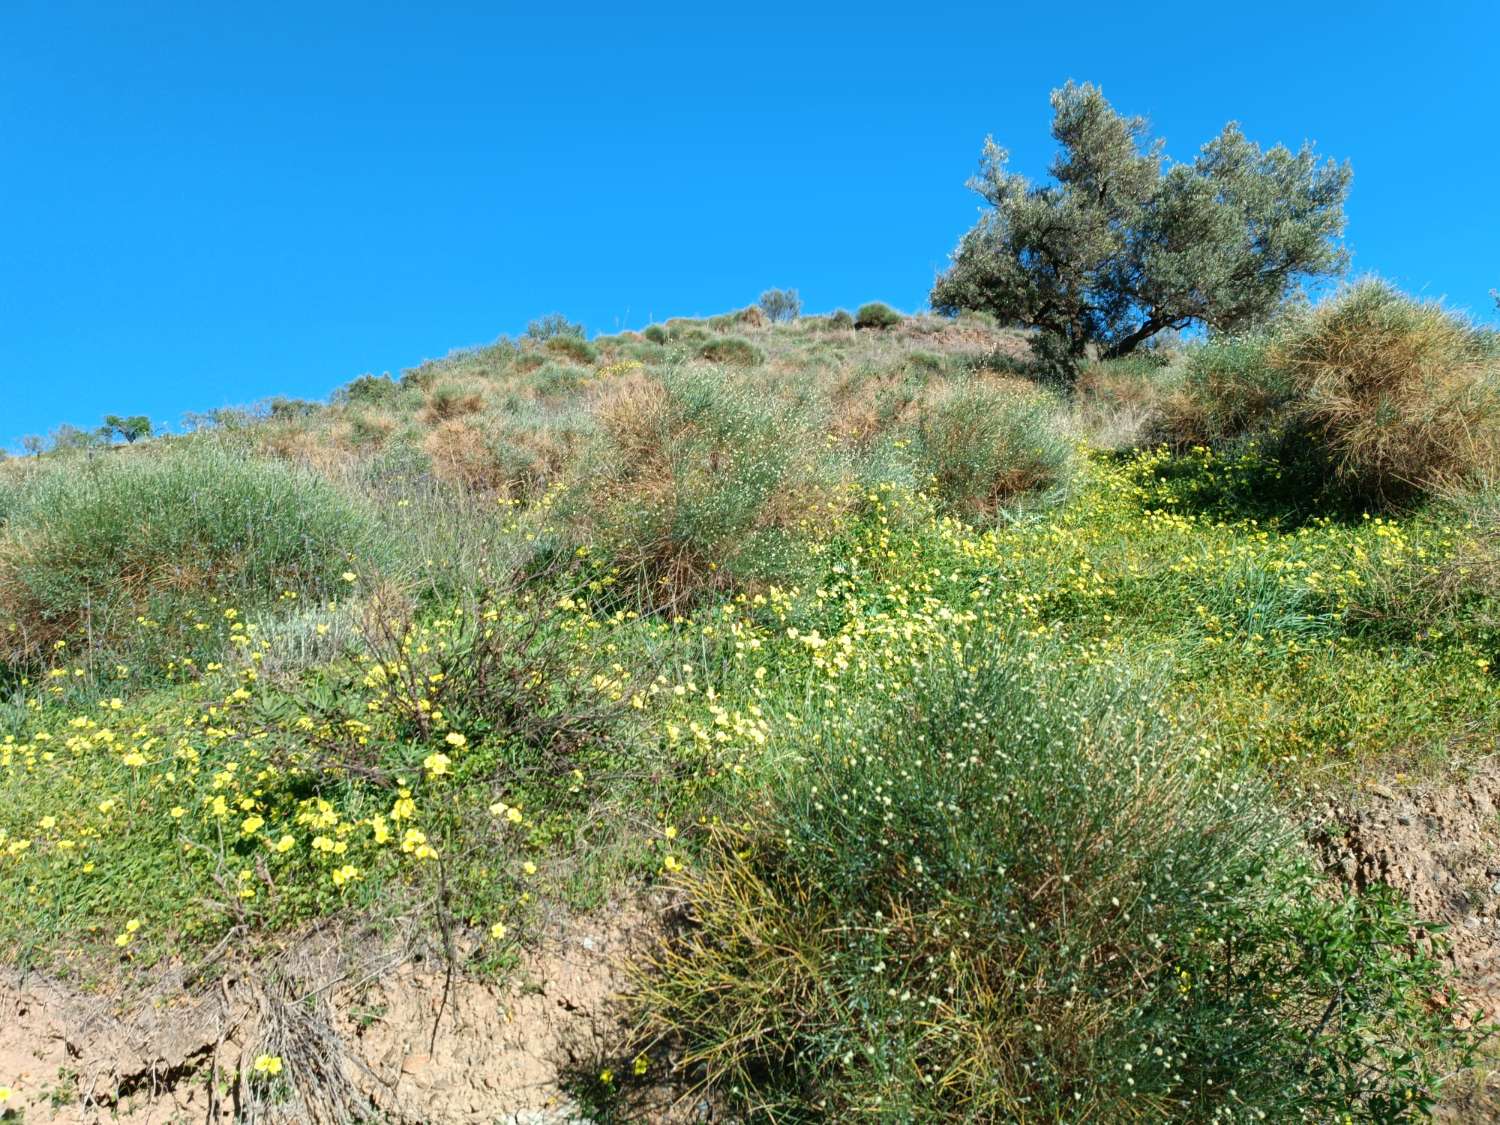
{"x":131,"y":428}
{"x":1126,"y":244}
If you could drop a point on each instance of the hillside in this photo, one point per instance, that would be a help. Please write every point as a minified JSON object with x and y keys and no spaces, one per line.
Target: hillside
{"x":769,"y":721}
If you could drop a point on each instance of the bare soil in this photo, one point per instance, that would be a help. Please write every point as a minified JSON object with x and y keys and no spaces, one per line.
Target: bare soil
{"x":388,"y":1038}
{"x":1438,"y":843}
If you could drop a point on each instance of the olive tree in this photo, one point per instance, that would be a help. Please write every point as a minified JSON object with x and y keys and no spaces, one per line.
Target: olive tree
{"x":781,"y":304}
{"x":131,"y":428}
{"x":1126,"y":244}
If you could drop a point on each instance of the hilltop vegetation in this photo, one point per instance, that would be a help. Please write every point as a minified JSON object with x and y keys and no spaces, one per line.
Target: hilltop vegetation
{"x":974,"y":717}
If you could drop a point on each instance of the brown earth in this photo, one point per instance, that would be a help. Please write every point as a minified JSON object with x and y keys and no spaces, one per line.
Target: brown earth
{"x":1438,"y":843}
{"x":387,"y":1038}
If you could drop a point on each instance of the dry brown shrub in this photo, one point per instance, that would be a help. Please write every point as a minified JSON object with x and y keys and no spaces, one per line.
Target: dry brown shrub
{"x":1405,"y":394}
{"x":633,"y":414}
{"x":462,"y":454}
{"x":446,"y":403}
{"x":326,"y":450}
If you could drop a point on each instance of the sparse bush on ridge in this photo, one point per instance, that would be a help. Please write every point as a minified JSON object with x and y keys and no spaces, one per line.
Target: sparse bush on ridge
{"x":780,"y":305}
{"x":1226,"y":391}
{"x":1016,"y":891}
{"x":445,"y":403}
{"x":876,"y":315}
{"x":552,"y":326}
{"x":573,"y":348}
{"x":1390,"y":397}
{"x":695,"y":481}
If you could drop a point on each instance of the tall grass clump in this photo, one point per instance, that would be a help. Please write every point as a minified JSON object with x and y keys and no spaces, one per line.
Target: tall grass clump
{"x":697,"y":479}
{"x":1405,"y":395}
{"x":986,"y":445}
{"x":128,"y":546}
{"x":1009,"y":895}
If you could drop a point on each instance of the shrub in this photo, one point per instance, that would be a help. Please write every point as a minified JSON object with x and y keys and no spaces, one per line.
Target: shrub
{"x":732,"y":350}
{"x":463,"y":454}
{"x":1228,"y":390}
{"x":1122,"y":403}
{"x":89,"y":548}
{"x":447,"y":403}
{"x":876,"y":315}
{"x":367,"y":429}
{"x":553,"y":325}
{"x":840,"y":318}
{"x":573,"y":348}
{"x":780,"y":304}
{"x":985,"y":445}
{"x":1016,"y":892}
{"x":696,"y":481}
{"x":655,"y":333}
{"x":1405,"y":395}
{"x":687,"y":332}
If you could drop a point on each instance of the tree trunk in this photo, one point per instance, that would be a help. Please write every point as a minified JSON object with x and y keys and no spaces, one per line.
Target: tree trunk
{"x":1127,"y":344}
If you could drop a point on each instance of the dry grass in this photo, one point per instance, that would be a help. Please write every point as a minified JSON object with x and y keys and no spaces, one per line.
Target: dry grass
{"x":462,"y":454}
{"x":446,"y":403}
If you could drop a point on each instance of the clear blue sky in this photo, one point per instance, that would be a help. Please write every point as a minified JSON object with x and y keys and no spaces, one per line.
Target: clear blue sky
{"x":209,"y":203}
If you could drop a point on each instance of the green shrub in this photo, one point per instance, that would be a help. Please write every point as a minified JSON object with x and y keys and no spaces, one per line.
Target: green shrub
{"x":655,"y":333}
{"x":876,"y":315}
{"x":553,"y":325}
{"x":558,"y":379}
{"x":926,"y":363}
{"x":732,"y":350}
{"x":573,"y":348}
{"x":1404,"y":395}
{"x":696,"y":481}
{"x":644,"y":350}
{"x":1014,"y":892}
{"x":90,"y":548}
{"x":1228,"y":390}
{"x":985,"y":446}
{"x":840,"y":318}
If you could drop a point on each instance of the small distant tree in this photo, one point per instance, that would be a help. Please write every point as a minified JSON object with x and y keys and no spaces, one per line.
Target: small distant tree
{"x":131,"y":428}
{"x":780,"y":304}
{"x":554,"y":324}
{"x":67,"y":437}
{"x":33,"y":444}
{"x":1124,"y":246}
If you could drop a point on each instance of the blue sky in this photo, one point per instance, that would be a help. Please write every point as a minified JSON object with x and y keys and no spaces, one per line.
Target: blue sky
{"x":207,"y":203}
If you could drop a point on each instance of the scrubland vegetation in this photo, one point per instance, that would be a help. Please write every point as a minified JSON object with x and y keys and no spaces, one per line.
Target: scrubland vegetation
{"x":971,"y":711}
